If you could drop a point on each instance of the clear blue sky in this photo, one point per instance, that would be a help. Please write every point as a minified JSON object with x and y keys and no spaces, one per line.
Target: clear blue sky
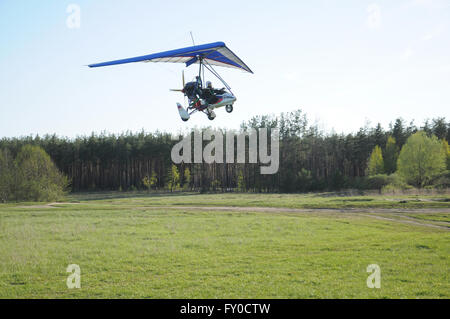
{"x":343,"y":62}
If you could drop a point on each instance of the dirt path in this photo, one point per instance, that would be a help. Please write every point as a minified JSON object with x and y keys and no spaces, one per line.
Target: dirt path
{"x":366,"y":212}
{"x":49,"y":205}
{"x":376,"y":213}
{"x":406,"y":220}
{"x":310,"y":210}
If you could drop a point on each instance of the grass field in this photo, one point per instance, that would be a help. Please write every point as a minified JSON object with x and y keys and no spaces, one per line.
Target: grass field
{"x":221,"y":246}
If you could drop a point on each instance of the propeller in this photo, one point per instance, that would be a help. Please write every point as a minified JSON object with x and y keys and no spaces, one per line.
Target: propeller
{"x":178,"y":90}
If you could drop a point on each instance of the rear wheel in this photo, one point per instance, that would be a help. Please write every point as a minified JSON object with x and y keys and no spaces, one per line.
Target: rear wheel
{"x":229,"y":108}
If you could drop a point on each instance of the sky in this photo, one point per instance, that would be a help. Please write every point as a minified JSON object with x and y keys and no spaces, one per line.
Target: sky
{"x":344,"y":63}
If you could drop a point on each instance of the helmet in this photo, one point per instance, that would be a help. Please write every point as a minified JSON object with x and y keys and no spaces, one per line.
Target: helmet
{"x":208,"y":84}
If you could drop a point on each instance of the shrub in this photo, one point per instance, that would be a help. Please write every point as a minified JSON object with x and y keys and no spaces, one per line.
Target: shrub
{"x":37,"y":177}
{"x":173,"y":178}
{"x":395,"y":188}
{"x":441,"y":181}
{"x":31,"y":176}
{"x":381,"y":181}
{"x":215,"y":184}
{"x":395,"y":184}
{"x":377,"y":181}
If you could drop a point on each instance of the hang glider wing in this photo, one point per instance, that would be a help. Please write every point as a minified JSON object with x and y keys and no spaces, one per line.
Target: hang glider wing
{"x":215,"y":53}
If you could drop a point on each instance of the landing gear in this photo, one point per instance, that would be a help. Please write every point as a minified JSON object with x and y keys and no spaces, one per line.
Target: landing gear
{"x":211,"y":115}
{"x":229,"y":108}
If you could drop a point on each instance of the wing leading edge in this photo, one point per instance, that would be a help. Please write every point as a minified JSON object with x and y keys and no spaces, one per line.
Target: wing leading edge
{"x":215,"y":53}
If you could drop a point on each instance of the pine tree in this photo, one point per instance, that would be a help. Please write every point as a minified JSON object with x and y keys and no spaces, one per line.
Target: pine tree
{"x":390,"y":156}
{"x":379,"y":137}
{"x":439,"y":128}
{"x":398,"y":131}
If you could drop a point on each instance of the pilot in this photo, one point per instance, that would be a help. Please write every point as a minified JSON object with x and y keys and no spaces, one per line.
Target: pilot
{"x":213,"y":90}
{"x":209,"y":93}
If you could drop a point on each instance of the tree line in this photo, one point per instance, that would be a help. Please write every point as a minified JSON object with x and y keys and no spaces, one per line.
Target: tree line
{"x":310,"y":159}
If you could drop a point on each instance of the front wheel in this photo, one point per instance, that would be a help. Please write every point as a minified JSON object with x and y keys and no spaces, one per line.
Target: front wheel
{"x":211,"y":115}
{"x":229,"y":108}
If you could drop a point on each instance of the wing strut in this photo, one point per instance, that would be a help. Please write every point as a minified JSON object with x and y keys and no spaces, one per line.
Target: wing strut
{"x":211,"y":69}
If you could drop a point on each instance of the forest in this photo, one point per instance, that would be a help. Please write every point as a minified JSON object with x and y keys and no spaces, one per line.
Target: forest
{"x":310,"y":159}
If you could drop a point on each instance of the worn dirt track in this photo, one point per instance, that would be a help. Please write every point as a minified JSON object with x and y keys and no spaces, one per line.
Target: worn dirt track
{"x":387,"y":214}
{"x":377,"y":213}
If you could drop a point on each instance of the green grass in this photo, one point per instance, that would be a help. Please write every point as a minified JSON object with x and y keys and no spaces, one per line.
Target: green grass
{"x":313,"y":200}
{"x":442,"y":217}
{"x":132,"y":247}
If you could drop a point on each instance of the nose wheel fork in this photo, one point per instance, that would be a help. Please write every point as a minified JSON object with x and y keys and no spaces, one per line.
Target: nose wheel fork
{"x":211,"y":115}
